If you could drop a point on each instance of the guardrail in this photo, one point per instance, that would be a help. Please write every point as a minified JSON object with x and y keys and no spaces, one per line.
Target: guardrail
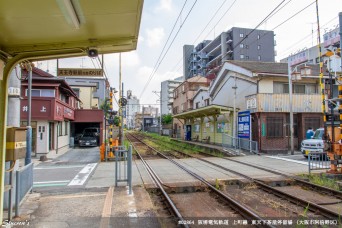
{"x":318,"y":161}
{"x":123,"y":166}
{"x":238,"y":144}
{"x":24,"y":184}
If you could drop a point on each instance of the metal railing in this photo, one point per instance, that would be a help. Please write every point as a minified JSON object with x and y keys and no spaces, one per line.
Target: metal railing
{"x":24,"y":184}
{"x":123,"y":166}
{"x":318,"y":161}
{"x":238,"y":144}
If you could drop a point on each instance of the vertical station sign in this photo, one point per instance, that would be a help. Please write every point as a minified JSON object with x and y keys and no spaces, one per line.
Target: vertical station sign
{"x":244,"y":124}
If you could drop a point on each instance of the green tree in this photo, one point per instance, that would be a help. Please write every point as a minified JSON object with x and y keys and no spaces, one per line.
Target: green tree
{"x":105,"y":106}
{"x":166,"y":119}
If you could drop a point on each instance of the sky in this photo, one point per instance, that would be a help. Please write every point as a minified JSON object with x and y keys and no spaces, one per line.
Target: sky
{"x":159,"y":17}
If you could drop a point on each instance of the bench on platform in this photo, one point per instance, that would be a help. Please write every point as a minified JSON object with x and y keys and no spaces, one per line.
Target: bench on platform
{"x":206,"y":139}
{"x":195,"y":138}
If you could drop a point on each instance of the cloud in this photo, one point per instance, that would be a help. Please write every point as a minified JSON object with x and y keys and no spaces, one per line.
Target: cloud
{"x":154,"y":36}
{"x":164,"y":5}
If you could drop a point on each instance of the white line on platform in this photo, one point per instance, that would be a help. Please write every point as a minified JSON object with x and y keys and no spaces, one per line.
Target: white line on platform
{"x":48,"y":182}
{"x":59,"y":167}
{"x":286,"y":159}
{"x":83,"y":175}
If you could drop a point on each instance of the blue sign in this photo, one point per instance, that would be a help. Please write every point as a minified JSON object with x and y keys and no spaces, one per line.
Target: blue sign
{"x":244,"y":127}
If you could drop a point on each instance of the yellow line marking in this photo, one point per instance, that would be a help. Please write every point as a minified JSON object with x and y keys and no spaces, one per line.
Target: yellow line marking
{"x":107,"y":208}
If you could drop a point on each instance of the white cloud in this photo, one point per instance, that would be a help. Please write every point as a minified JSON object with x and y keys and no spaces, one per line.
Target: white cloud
{"x":154,"y":36}
{"x":141,"y":39}
{"x":164,"y":5}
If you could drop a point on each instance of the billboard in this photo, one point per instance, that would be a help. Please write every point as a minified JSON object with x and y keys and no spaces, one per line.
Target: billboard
{"x":244,"y":124}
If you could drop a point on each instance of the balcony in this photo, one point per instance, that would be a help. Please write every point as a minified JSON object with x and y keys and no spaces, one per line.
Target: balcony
{"x":269,"y":102}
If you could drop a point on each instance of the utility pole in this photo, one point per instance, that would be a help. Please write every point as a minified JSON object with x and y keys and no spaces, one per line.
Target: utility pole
{"x":29,"y":128}
{"x":160,"y":117}
{"x":120,"y":106}
{"x":290,"y":105}
{"x":234,"y":115}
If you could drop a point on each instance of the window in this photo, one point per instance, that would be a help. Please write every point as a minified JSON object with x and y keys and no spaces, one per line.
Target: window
{"x":77,"y":91}
{"x":197,"y":104}
{"x":60,"y":128}
{"x":274,"y":127}
{"x":62,"y":97}
{"x":295,"y":126}
{"x":280,"y":87}
{"x":241,"y":35}
{"x":258,"y":37}
{"x":242,"y":56}
{"x":246,"y":46}
{"x":42,"y":92}
{"x":66,"y":124}
{"x":206,"y":102}
{"x":183,"y":88}
{"x":313,"y":122}
{"x":247,"y":57}
{"x":259,"y":57}
{"x":241,"y":45}
{"x":259,"y":47}
{"x":182,"y":107}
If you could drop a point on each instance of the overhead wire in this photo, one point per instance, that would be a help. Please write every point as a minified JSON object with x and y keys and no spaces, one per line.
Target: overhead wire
{"x":167,"y":40}
{"x":161,"y":60}
{"x":214,"y":15}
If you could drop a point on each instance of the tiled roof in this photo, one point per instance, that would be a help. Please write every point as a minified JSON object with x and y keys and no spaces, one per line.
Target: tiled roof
{"x":273,"y":67}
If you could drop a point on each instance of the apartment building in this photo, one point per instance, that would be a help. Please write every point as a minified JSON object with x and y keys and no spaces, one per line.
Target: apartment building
{"x":235,"y":44}
{"x":132,"y":107}
{"x":183,"y":101}
{"x":167,"y":88}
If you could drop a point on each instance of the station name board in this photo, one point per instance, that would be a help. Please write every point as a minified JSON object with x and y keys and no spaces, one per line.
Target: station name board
{"x":65,"y":72}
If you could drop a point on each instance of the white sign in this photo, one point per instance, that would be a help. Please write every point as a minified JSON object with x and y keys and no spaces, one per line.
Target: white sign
{"x":13,"y":91}
{"x":251,"y":103}
{"x":43,"y":109}
{"x":25,"y":108}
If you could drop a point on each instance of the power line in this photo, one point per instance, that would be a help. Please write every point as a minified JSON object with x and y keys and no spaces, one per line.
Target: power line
{"x":155,"y":65}
{"x":207,"y":26}
{"x":151,"y":76}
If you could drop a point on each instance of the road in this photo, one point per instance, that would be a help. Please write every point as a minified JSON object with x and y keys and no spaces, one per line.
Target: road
{"x":70,"y":170}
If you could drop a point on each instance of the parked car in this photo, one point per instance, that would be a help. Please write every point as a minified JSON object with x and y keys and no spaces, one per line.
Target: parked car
{"x":88,"y":139}
{"x":315,"y":144}
{"x":93,"y":130}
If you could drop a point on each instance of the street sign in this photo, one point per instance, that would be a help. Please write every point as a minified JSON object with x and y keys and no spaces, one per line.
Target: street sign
{"x":244,"y":128}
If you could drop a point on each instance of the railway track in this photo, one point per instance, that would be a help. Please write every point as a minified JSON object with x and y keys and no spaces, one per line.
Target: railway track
{"x":232,"y":210}
{"x":322,"y":208}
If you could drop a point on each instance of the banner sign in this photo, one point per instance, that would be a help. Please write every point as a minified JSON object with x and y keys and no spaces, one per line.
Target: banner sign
{"x":244,"y":128}
{"x":64,"y":72}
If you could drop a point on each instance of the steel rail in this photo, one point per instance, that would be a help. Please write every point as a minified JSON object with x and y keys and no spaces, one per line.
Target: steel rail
{"x":244,"y":211}
{"x":158,"y":182}
{"x":336,"y":193}
{"x":312,"y":206}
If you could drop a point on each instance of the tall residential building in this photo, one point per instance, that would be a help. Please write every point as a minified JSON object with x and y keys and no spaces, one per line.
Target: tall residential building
{"x":167,"y":88}
{"x":132,"y":107}
{"x":235,"y":44}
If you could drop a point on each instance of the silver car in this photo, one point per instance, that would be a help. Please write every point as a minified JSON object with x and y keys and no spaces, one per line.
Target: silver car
{"x":88,"y":139}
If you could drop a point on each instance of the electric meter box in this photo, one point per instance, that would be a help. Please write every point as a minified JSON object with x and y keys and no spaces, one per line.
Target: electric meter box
{"x":15,"y":143}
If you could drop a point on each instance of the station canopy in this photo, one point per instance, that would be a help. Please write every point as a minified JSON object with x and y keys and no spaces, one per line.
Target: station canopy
{"x":64,"y":28}
{"x":210,"y":110}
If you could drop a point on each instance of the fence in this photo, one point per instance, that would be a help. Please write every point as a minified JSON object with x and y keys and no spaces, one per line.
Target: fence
{"x":123,"y":166}
{"x":318,"y":161}
{"x":238,"y":144}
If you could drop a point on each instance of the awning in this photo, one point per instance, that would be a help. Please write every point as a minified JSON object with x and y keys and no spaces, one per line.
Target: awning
{"x":210,"y":110}
{"x":43,"y":29}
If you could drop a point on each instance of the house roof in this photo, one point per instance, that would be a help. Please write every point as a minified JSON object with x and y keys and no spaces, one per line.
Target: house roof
{"x":273,"y":67}
{"x":40,"y":75}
